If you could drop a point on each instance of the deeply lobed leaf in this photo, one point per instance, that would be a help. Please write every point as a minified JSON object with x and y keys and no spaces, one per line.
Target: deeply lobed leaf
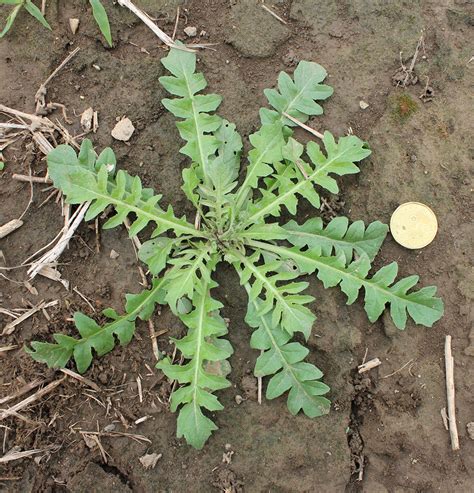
{"x":284,"y":360}
{"x":338,"y":236}
{"x":422,"y":306}
{"x":97,"y":338}
{"x":201,"y":345}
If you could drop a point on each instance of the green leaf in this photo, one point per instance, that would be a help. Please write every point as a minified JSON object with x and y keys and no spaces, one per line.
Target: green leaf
{"x":200,"y":345}
{"x":36,"y":13}
{"x":284,"y":360}
{"x":189,"y":266}
{"x":155,"y":253}
{"x":267,"y":149}
{"x":198,"y":125}
{"x":340,"y":160}
{"x":297,"y":97}
{"x":78,"y":179}
{"x":422,"y":306}
{"x":284,"y":301}
{"x":93,"y":336}
{"x":100,"y":16}
{"x":338,"y":236}
{"x":10,"y":20}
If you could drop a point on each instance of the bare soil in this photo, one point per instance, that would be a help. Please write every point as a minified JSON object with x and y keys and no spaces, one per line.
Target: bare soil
{"x":422,"y":151}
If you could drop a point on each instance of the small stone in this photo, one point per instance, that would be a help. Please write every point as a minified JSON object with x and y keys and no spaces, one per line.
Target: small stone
{"x":114,"y":254}
{"x":109,"y":428}
{"x":97,"y":67}
{"x":123,"y":130}
{"x":149,"y":461}
{"x":239,"y":399}
{"x":190,"y":31}
{"x":74,"y":25}
{"x":363,"y":105}
{"x":470,"y":430}
{"x":86,"y":119}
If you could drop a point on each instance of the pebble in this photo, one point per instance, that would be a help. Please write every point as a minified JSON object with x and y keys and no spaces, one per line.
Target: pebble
{"x":74,"y":25}
{"x":363,"y":105}
{"x":190,"y":31}
{"x":114,"y":254}
{"x":123,"y":130}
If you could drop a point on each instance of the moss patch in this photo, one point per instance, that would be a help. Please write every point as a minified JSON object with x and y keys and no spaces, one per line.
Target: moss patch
{"x":403,"y":106}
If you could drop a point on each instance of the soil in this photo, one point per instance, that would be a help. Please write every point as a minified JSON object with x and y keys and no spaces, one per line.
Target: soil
{"x":383,"y":434}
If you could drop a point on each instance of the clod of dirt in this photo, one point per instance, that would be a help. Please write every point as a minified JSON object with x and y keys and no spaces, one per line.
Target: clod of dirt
{"x":470,"y":430}
{"x":123,"y":130}
{"x":190,"y":31}
{"x":149,"y":461}
{"x":226,"y":480}
{"x":74,"y":25}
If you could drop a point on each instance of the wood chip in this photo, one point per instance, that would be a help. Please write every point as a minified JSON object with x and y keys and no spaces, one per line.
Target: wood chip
{"x":449,"y":365}
{"x":373,"y":363}
{"x":9,"y":227}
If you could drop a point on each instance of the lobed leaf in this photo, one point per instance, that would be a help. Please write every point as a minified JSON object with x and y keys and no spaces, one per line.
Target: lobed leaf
{"x":83,"y":178}
{"x":201,"y":344}
{"x":338,"y":236}
{"x":284,"y":360}
{"x":297,"y":97}
{"x":422,"y":305}
{"x":282,"y":299}
{"x":93,"y":336}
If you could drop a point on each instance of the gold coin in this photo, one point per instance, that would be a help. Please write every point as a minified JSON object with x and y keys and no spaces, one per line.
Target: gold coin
{"x":413,"y":225}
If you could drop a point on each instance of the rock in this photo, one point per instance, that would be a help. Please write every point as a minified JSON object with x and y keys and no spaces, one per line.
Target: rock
{"x":470,"y":430}
{"x":149,"y":461}
{"x":123,"y":130}
{"x":114,"y":254}
{"x":239,"y":399}
{"x":86,"y":119}
{"x":190,"y":31}
{"x":363,"y":105}
{"x":74,"y":25}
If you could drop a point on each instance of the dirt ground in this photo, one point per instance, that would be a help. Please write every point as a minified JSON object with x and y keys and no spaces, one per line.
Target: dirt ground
{"x":422,"y":151}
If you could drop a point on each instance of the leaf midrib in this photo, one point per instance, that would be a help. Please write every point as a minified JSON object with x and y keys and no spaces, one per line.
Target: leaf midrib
{"x":365,"y":282}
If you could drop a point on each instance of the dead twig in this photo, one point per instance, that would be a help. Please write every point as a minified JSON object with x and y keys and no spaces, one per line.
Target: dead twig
{"x":31,"y":179}
{"x":10,"y":327}
{"x":302,"y":125}
{"x":29,"y":400}
{"x":176,"y":22}
{"x":270,"y":11}
{"x":82,"y":379}
{"x":10,"y":226}
{"x":154,"y":342}
{"x":15,"y":455}
{"x":373,"y":363}
{"x":399,"y":370}
{"x":23,"y":390}
{"x":449,"y":364}
{"x":149,"y":23}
